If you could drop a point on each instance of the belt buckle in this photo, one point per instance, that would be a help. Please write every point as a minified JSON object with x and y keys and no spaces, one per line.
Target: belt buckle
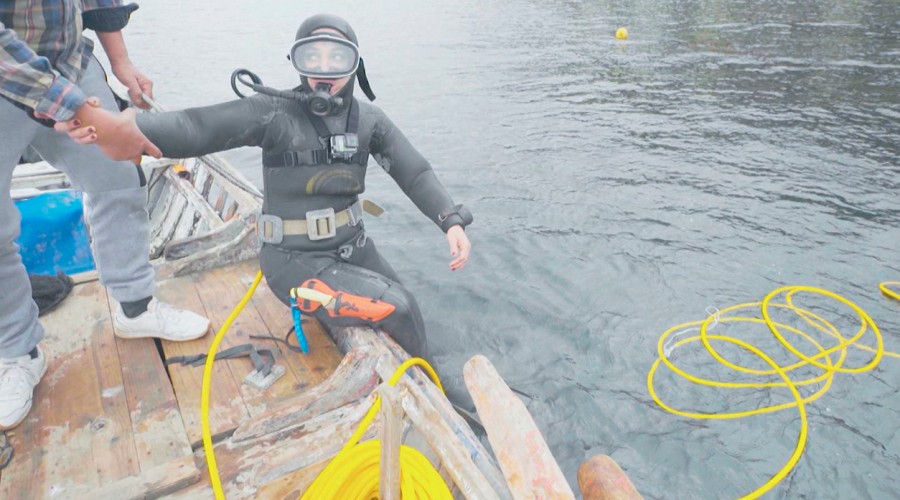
{"x":270,"y":229}
{"x":312,"y":224}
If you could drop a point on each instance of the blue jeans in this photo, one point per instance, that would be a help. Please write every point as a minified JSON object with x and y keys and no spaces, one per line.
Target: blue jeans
{"x":115,"y":206}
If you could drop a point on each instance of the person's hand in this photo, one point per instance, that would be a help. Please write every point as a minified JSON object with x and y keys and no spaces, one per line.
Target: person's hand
{"x":117,"y":135}
{"x":136,"y":82}
{"x":459,"y":247}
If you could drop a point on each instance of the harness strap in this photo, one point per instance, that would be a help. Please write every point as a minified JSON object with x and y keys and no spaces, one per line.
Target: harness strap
{"x":310,"y":157}
{"x":262,"y":366}
{"x":320,"y":156}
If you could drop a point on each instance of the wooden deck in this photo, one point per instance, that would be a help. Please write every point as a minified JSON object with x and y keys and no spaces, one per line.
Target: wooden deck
{"x":110,"y":420}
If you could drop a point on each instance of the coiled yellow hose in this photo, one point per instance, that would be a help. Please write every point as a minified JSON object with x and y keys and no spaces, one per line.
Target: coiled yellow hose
{"x":822,"y":360}
{"x":355,"y":472}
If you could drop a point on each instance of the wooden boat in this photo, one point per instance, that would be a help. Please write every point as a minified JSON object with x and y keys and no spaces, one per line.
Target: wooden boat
{"x":112,"y":419}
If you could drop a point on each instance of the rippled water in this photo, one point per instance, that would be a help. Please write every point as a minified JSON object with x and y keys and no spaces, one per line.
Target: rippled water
{"x":619,"y":188}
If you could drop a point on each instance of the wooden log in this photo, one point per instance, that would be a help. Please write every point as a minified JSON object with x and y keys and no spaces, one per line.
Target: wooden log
{"x":601,"y":478}
{"x":526,"y":461}
{"x":391,"y":435}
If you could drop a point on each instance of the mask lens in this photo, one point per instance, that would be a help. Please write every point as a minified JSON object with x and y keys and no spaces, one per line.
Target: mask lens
{"x":324,"y":57}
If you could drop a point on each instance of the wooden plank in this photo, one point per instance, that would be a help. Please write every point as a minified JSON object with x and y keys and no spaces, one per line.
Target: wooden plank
{"x":391,"y":435}
{"x":186,"y":189}
{"x":78,"y":432}
{"x":152,"y":483}
{"x":221,"y":290}
{"x":242,"y":247}
{"x":160,"y":206}
{"x":159,"y":432}
{"x":185,"y":226}
{"x":526,"y":461}
{"x":166,"y":228}
{"x":226,"y":404}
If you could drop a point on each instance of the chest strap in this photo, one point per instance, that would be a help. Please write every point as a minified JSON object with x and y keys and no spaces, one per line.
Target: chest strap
{"x":310,"y":157}
{"x":318,"y":224}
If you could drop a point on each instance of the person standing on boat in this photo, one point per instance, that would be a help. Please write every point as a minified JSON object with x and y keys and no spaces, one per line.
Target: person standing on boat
{"x":47,"y":70}
{"x":316,"y":141}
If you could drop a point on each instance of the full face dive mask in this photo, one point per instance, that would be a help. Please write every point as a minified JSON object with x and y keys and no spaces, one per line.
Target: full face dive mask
{"x":324,"y":56}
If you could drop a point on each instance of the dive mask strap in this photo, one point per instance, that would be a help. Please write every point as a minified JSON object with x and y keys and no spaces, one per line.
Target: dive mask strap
{"x":364,"y":80}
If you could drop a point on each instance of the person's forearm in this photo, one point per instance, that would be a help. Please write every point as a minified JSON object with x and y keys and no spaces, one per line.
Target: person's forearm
{"x":114,"y":45}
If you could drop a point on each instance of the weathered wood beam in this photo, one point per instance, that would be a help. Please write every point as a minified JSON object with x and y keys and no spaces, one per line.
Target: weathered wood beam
{"x":526,"y":461}
{"x":353,"y":379}
{"x":391,"y":435}
{"x":601,"y":478}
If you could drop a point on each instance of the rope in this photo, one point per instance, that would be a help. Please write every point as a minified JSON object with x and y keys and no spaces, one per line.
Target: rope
{"x":355,"y":472}
{"x":823,"y":360}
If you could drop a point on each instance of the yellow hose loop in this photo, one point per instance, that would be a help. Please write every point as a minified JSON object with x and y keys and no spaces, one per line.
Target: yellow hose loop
{"x":204,"y":392}
{"x":829,"y":360}
{"x":887,"y":291}
{"x":355,"y":472}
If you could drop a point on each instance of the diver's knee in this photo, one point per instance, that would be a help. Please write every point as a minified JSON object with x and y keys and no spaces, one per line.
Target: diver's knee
{"x":405,"y":323}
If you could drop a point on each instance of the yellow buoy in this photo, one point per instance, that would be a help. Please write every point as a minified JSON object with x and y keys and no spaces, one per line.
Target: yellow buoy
{"x":622,"y":34}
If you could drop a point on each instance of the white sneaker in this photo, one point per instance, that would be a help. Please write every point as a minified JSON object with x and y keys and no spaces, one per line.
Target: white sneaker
{"x":18,"y":378}
{"x":162,"y":321}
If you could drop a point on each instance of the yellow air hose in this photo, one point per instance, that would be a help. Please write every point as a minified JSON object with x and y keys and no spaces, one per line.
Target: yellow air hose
{"x":822,"y":360}
{"x":355,"y":471}
{"x":887,"y":291}
{"x":204,"y":392}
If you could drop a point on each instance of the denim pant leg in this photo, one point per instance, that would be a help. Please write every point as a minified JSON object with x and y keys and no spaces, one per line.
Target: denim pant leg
{"x":115,"y":201}
{"x":20,"y":330}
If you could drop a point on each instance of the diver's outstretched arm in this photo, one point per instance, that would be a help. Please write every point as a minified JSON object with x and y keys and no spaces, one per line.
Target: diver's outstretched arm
{"x":178,"y":134}
{"x":412,"y":172}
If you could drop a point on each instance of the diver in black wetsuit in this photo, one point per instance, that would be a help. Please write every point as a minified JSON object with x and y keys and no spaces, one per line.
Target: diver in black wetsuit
{"x":316,"y":140}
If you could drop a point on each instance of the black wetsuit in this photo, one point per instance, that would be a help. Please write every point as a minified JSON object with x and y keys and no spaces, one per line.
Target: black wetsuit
{"x":280,"y":125}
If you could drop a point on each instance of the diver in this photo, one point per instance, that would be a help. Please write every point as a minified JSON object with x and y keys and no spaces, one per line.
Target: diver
{"x":316,"y":140}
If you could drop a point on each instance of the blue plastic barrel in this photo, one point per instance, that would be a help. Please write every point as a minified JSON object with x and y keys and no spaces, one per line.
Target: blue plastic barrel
{"x":54,"y":237}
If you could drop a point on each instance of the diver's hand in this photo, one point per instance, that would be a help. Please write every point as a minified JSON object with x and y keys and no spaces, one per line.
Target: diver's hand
{"x":117,"y":135}
{"x":137,"y":82}
{"x":459,"y":247}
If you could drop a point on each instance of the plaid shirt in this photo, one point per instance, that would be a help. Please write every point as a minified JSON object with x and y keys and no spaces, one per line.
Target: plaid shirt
{"x":43,"y":53}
